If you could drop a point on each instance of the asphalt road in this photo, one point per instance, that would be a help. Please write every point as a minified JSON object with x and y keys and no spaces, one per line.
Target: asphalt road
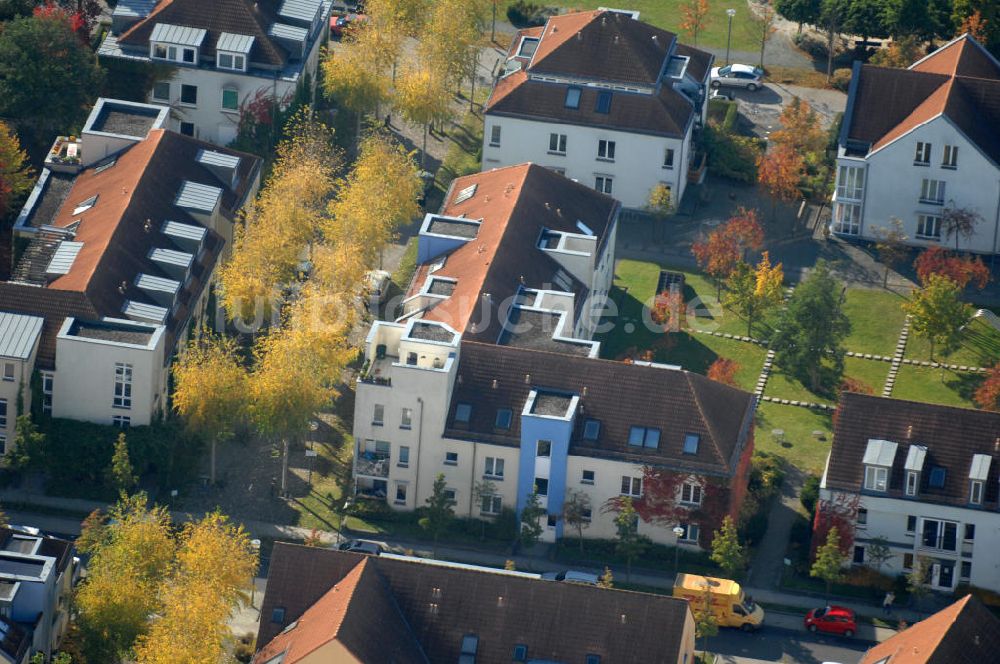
{"x":781,"y":644}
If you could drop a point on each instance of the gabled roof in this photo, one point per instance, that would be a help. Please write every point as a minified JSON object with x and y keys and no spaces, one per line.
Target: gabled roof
{"x":617,"y":394}
{"x":441,"y":604}
{"x":345,"y":614}
{"x":515,"y":203}
{"x":239,"y":17}
{"x":959,"y":81}
{"x":952,"y":437}
{"x":965,"y":632}
{"x":604,"y":45}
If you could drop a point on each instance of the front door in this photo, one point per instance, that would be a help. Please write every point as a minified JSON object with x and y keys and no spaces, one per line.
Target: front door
{"x":943,"y":576}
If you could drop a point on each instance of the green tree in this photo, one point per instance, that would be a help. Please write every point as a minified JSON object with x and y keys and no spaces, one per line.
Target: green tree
{"x":866,"y":18}
{"x":29,"y":442}
{"x":120,"y":474}
{"x":531,"y":527}
{"x":577,"y":512}
{"x":917,"y":578}
{"x":440,"y":510}
{"x":629,"y":543}
{"x":829,"y":560}
{"x":606,"y":580}
{"x":812,"y":328}
{"x":480,"y":490}
{"x":93,"y":532}
{"x":705,"y":623}
{"x":45,"y":67}
{"x":727,"y":552}
{"x":753,"y":292}
{"x":799,"y":11}
{"x":989,"y":19}
{"x":58,"y":658}
{"x":833,"y":14}
{"x":878,"y":552}
{"x":922,"y":19}
{"x":937,"y":314}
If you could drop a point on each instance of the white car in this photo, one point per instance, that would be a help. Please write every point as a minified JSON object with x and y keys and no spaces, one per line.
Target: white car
{"x":362,"y":546}
{"x":570,"y":576}
{"x":377,"y":285}
{"x":741,"y":76}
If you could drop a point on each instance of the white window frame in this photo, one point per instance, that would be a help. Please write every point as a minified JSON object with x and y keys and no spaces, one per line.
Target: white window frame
{"x":3,"y":413}
{"x":604,"y":184}
{"x":378,"y":415}
{"x":950,"y":158}
{"x":9,"y":372}
{"x":222,"y":101}
{"x":912,"y":483}
{"x":121,"y":421}
{"x":606,"y":149}
{"x":495,"y":132}
{"x":922,"y":226}
{"x":404,"y":462}
{"x":451,"y":458}
{"x":559,"y":142}
{"x":922,"y":156}
{"x":976,"y":492}
{"x":153,"y":94}
{"x":190,"y":104}
{"x":691,"y":493}
{"x":850,"y":183}
{"x":538,"y":449}
{"x":876,"y":478}
{"x":689,"y":530}
{"x":584,"y":480}
{"x":48,"y":382}
{"x":396,"y":499}
{"x":668,"y":158}
{"x":844,"y":223}
{"x":634,"y":488}
{"x":237,"y":61}
{"x":123,"y":386}
{"x":932,"y":191}
{"x":492,"y":501}
{"x":939,"y":539}
{"x":493,"y":467}
{"x":406,"y":418}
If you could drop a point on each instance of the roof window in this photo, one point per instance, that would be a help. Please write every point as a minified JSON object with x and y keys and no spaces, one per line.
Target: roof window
{"x":463,"y":413}
{"x":691,"y":441}
{"x":644,"y":437}
{"x":573,"y":98}
{"x":504,"y":417}
{"x":591,"y":430}
{"x":85,"y":205}
{"x":938,"y":476}
{"x":603,"y":104}
{"x":466,"y":194}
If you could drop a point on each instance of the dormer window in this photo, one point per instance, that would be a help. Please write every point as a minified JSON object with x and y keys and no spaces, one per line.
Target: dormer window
{"x":911,"y":483}
{"x":184,"y":54}
{"x":938,"y":475}
{"x":976,"y":492}
{"x":231,"y":61}
{"x":978,"y":472}
{"x":914,"y":465}
{"x":876,"y":478}
{"x":573,"y":97}
{"x":176,"y":43}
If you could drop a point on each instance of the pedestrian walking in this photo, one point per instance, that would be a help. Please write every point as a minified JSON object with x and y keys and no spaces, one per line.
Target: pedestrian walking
{"x":890,"y":597}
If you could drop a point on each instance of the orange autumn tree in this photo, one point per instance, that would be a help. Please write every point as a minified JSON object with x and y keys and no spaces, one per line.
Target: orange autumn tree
{"x":724,"y":247}
{"x":975,"y":25}
{"x":987,"y":395}
{"x":962,"y":270}
{"x":723,"y":370}
{"x":694,"y":18}
{"x":779,"y":171}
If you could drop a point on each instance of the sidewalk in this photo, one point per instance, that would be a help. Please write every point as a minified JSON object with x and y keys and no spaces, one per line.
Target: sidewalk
{"x":654,"y":579}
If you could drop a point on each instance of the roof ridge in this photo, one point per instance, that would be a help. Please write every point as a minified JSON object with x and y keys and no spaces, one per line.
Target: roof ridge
{"x":858,"y":395}
{"x":160,"y":6}
{"x":709,"y":423}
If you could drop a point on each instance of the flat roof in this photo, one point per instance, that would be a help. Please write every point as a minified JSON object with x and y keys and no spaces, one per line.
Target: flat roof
{"x":126,"y":121}
{"x":552,"y":404}
{"x":116,"y":332}
{"x":453,"y":227}
{"x":534,"y":330}
{"x":431,"y":332}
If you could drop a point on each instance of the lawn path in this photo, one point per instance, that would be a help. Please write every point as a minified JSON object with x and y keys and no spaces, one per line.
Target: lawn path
{"x":897,"y":359}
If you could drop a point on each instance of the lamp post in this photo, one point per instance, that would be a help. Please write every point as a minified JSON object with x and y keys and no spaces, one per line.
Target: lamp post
{"x":255,"y":545}
{"x":678,"y":532}
{"x":729,"y":34}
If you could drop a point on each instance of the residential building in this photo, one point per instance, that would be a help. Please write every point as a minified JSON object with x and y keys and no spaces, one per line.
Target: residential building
{"x":964,"y":633}
{"x":603,"y":99}
{"x":37,"y":573}
{"x":922,"y":478}
{"x":222,"y":55}
{"x":919,"y":143}
{"x":326,"y":607}
{"x":491,"y":379}
{"x":116,"y":250}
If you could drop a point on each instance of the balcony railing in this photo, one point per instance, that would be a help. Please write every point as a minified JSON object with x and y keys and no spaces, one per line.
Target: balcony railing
{"x":372,"y":464}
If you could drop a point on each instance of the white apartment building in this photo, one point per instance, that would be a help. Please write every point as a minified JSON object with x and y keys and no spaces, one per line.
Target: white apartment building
{"x":490,"y":378}
{"x":924,"y":478}
{"x":603,"y":99}
{"x":120,"y":237}
{"x":223,"y":54}
{"x":918,"y":142}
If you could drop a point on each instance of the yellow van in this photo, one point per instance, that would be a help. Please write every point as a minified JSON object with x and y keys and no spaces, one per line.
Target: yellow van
{"x":729,"y":605}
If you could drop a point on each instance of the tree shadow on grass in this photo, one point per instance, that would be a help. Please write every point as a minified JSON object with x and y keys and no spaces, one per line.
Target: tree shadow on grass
{"x":963,"y":384}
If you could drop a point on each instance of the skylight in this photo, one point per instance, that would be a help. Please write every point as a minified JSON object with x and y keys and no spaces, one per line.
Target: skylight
{"x":584,"y":228}
{"x":603,"y":102}
{"x":85,"y":205}
{"x":591,"y":430}
{"x":573,"y":98}
{"x":938,"y":475}
{"x":466,"y":194}
{"x":528,"y":46}
{"x":691,"y":441}
{"x":562,"y":280}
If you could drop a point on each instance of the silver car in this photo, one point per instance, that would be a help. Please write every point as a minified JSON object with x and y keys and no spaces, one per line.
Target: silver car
{"x":741,"y":76}
{"x":570,"y":576}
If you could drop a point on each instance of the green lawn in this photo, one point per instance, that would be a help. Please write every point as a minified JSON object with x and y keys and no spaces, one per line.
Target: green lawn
{"x":979,"y":346}
{"x":798,"y":445}
{"x":870,"y":372}
{"x":666,"y":14}
{"x":876,"y":320}
{"x":932,"y":385}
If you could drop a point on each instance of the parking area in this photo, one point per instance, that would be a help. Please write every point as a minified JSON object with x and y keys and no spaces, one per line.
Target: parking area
{"x":762,"y":107}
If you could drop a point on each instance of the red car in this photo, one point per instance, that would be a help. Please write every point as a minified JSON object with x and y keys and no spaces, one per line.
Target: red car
{"x":339,"y":25}
{"x":832,"y":620}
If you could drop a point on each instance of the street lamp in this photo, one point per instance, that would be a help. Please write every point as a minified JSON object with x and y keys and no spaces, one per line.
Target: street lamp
{"x":255,"y":545}
{"x":678,"y":533}
{"x":730,"y":13}
{"x":343,"y":515}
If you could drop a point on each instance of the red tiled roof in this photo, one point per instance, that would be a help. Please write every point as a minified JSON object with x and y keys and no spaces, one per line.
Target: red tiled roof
{"x":514,"y":203}
{"x":965,"y":632}
{"x":963,"y":56}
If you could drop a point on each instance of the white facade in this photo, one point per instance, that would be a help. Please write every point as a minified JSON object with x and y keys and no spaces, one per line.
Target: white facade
{"x":17,"y":360}
{"x":640,"y":162}
{"x":108,"y":381}
{"x":909,"y":526}
{"x":914,"y":178}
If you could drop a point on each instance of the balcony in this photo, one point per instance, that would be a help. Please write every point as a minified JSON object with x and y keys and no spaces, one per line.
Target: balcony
{"x":378,"y":371}
{"x":372,"y":464}
{"x":65,"y":155}
{"x":373,"y":489}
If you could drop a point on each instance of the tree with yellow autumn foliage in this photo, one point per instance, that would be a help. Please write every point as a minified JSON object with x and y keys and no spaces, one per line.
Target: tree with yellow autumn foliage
{"x":210,"y":390}
{"x":751,"y":292}
{"x":422,"y":96}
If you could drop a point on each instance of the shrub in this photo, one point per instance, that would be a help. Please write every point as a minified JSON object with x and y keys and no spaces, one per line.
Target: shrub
{"x":866,"y":577}
{"x":841,"y":79}
{"x":810,"y":494}
{"x":524,"y":14}
{"x":732,"y":156}
{"x":732,"y":114}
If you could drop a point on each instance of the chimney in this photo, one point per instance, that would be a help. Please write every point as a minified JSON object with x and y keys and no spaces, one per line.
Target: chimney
{"x":527,"y":379}
{"x":909,"y":432}
{"x":583,"y":392}
{"x":604,"y":21}
{"x":148,"y":226}
{"x":579,"y":36}
{"x":496,"y":383}
{"x":548,"y":206}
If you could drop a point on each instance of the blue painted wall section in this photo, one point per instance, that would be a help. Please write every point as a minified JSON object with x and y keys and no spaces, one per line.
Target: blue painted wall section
{"x":557,"y":430}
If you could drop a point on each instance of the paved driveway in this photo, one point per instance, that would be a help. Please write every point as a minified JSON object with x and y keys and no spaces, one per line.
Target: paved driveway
{"x":761,"y":108}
